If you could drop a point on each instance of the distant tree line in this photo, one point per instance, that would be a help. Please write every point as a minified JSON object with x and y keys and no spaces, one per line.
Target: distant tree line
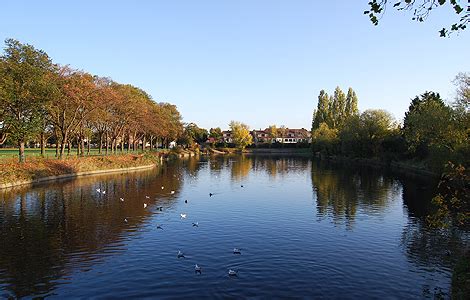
{"x":434,"y":135}
{"x":42,"y":102}
{"x":433,"y":132}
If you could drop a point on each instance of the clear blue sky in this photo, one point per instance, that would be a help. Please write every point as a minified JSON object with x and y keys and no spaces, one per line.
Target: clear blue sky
{"x":257,"y":61}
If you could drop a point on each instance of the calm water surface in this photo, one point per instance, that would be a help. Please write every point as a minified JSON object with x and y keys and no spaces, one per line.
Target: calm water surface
{"x":305,"y":230}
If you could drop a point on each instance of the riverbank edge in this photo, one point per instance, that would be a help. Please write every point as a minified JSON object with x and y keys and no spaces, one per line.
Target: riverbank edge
{"x":402,"y":167}
{"x":262,"y":151}
{"x":73,"y":175}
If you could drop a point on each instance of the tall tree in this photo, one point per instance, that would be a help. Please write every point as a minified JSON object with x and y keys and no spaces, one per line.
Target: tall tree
{"x":25,"y":84}
{"x":338,"y":108}
{"x":240,"y":134}
{"x":73,"y":100}
{"x":322,"y":112}
{"x":351,"y":103}
{"x":429,"y":123}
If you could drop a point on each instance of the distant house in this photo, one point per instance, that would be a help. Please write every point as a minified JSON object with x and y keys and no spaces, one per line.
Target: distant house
{"x":260,"y":136}
{"x":286,"y":136}
{"x":227,"y":136}
{"x":293,"y":136}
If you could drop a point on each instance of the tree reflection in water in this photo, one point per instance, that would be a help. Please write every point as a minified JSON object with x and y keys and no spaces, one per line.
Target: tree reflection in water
{"x":48,"y":230}
{"x":343,"y":190}
{"x":49,"y":233}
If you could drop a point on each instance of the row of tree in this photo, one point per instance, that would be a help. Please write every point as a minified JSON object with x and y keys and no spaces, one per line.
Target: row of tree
{"x":42,"y":101}
{"x":433,"y":131}
{"x":193,"y":135}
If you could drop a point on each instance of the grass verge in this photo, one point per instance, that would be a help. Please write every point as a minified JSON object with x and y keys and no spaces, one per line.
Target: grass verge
{"x":34,"y":168}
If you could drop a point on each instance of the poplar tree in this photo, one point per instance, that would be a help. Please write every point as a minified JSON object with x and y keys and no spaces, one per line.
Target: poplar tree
{"x":322,"y":112}
{"x":339,"y":108}
{"x":351,"y":103}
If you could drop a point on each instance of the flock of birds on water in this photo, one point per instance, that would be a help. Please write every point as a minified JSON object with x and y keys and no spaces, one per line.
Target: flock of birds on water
{"x":197,"y":268}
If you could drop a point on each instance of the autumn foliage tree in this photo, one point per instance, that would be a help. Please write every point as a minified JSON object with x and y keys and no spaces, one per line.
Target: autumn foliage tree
{"x":40,"y":100}
{"x":25,"y":85}
{"x":240,"y":134}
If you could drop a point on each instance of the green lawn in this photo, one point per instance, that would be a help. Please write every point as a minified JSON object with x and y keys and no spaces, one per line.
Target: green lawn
{"x":50,"y":152}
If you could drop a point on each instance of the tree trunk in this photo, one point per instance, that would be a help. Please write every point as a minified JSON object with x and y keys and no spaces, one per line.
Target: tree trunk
{"x":88,"y":145}
{"x":43,"y":144}
{"x":82,"y":140}
{"x":144,"y":143}
{"x":69,"y":147}
{"x":78,"y":146}
{"x":106,"y":137}
{"x":63,"y":142}
{"x":57,"y":146}
{"x":101,"y":143}
{"x":21,"y":152}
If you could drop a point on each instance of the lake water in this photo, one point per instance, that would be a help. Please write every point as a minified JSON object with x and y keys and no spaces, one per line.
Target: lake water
{"x":305,"y":230}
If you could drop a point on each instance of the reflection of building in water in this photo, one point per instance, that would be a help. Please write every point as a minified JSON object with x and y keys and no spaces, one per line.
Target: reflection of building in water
{"x":241,"y":166}
{"x":280,"y":165}
{"x":341,"y":191}
{"x":42,"y":229}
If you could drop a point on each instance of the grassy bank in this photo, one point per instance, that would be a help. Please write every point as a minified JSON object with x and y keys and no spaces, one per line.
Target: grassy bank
{"x":51,"y":153}
{"x":35,"y":167}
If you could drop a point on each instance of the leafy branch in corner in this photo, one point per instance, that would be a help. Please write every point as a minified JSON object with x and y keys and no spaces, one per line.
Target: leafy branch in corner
{"x":421,"y":10}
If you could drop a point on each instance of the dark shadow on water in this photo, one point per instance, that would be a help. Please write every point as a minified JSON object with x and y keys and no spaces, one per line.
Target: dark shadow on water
{"x":44,"y":228}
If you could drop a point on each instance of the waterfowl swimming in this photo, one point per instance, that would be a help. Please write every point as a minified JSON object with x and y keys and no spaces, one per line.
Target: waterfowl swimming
{"x":125,"y":220}
{"x":103,"y":192}
{"x":180,"y":254}
{"x":98,"y":190}
{"x":237,"y":251}
{"x":232,"y":273}
{"x":145,"y":205}
{"x":210,"y":194}
{"x":159,"y":226}
{"x":122,"y":199}
{"x":197,"y":269}
{"x":241,"y":185}
{"x":183,"y":216}
{"x":163,"y":187}
{"x":185,"y":201}
{"x":160,"y":208}
{"x":196,"y":224}
{"x":172,"y":192}
{"x":147,"y":197}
